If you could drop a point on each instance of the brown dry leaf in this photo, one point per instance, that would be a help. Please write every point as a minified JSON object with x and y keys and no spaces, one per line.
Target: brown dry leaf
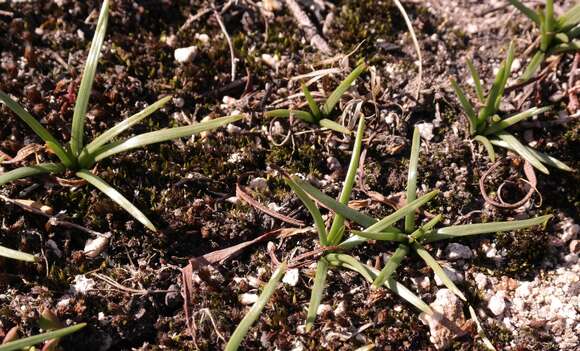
{"x":23,"y":153}
{"x":34,"y":205}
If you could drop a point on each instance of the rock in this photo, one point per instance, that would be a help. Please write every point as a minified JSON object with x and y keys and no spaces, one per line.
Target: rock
{"x":575,"y":246}
{"x":523,"y":290}
{"x":248,"y":298}
{"x":426,"y":130}
{"x":480,"y":280}
{"x":333,"y":163}
{"x":185,"y":55}
{"x":457,"y":251}
{"x":452,"y":273}
{"x":571,"y":258}
{"x":291,"y":277}
{"x":233,"y":129}
{"x":94,"y":247}
{"x":497,"y":303}
{"x":323,"y":309}
{"x":258,"y":184}
{"x":449,"y":306}
{"x":340,"y":310}
{"x":423,"y":283}
{"x":570,"y":233}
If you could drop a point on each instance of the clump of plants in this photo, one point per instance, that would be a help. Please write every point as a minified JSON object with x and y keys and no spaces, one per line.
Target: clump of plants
{"x":412,"y":238}
{"x":557,"y":33}
{"x":320,"y":115}
{"x":77,"y":157}
{"x":487,"y":127}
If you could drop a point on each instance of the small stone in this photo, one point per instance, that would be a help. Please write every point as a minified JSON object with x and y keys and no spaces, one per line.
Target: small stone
{"x":423,"y":283}
{"x":277,"y":129}
{"x":323,"y":309}
{"x":258,"y":184}
{"x":571,"y":258}
{"x":94,"y":247}
{"x":480,"y":280}
{"x":497,"y":303}
{"x":340,"y":309}
{"x":333,"y":163}
{"x":575,"y":246}
{"x":248,"y":298}
{"x":450,"y":307}
{"x":570,"y":233}
{"x":233,"y":129}
{"x":523,"y":290}
{"x":184,"y":55}
{"x":204,"y":38}
{"x":291,"y":277}
{"x":452,"y":273}
{"x":457,"y":251}
{"x":426,"y":130}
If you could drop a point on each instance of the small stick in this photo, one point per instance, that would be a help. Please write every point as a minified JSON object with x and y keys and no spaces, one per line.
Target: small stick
{"x":309,"y":29}
{"x":230,"y":45}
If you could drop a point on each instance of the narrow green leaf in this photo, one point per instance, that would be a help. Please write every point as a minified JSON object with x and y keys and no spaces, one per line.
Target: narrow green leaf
{"x":521,"y":150}
{"x":311,"y":103}
{"x":412,"y":179}
{"x":337,"y":127}
{"x":285,"y":113}
{"x":457,"y":231}
{"x":165,"y":135}
{"x":510,"y":121}
{"x":488,"y":146}
{"x":342,"y":209}
{"x":36,"y":127}
{"x":425,"y":229}
{"x":388,"y":235}
{"x":116,"y":196}
{"x":549,"y":160}
{"x":370,"y":275}
{"x":391,"y":219}
{"x":334,"y":98}
{"x":24,"y":172}
{"x":548,"y":34}
{"x":299,"y":188}
{"x":506,"y":74}
{"x":37,"y":339}
{"x":476,"y":81}
{"x":533,"y":66}
{"x":85,"y":88}
{"x":489,"y":108}
{"x":16,"y":255}
{"x":316,"y":293}
{"x":480,"y":330}
{"x":337,"y":227}
{"x":392,"y":264}
{"x":573,"y":46}
{"x":528,"y":12}
{"x":119,"y":128}
{"x":254,"y":312}
{"x":569,"y":19}
{"x":467,"y":106}
{"x":431,"y":262}
{"x":67,"y":159}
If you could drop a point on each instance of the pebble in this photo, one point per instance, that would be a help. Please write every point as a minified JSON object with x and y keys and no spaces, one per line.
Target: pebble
{"x":575,"y":246}
{"x":291,"y":277}
{"x":258,"y":184}
{"x":457,"y":251}
{"x":497,"y":303}
{"x":423,"y":283}
{"x":248,"y":298}
{"x":480,"y":280}
{"x":452,"y":273}
{"x":426,"y":130}
{"x":323,"y":309}
{"x":449,"y":306}
{"x":184,"y":55}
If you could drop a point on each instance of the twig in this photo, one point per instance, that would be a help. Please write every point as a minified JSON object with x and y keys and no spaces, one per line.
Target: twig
{"x":309,"y":29}
{"x":573,"y":103}
{"x":230,"y":45}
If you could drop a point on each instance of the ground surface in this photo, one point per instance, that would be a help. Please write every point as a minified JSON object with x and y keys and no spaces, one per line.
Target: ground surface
{"x":188,"y":187}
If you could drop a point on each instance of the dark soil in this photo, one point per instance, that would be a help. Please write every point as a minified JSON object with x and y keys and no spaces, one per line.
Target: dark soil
{"x":183,"y":186}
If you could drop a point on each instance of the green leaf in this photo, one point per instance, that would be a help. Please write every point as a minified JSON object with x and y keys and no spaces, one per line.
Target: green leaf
{"x":467,"y":106}
{"x":548,"y":26}
{"x":337,"y":227}
{"x":298,"y":186}
{"x":66,"y":158}
{"x":569,"y":19}
{"x":336,"y":206}
{"x":549,"y":160}
{"x":116,"y":197}
{"x":457,"y":231}
{"x":370,"y":275}
{"x":16,"y":255}
{"x":431,"y":262}
{"x":311,"y":103}
{"x":85,"y":88}
{"x":337,"y":127}
{"x":254,"y":312}
{"x":316,"y":293}
{"x":521,"y":150}
{"x":425,"y":229}
{"x":528,"y":12}
{"x":389,"y":235}
{"x":391,"y":219}
{"x":488,"y":146}
{"x":533,"y":66}
{"x":506,"y":74}
{"x":119,"y":128}
{"x":23,"y":172}
{"x":334,"y":98}
{"x":480,"y":330}
{"x":392,"y":264}
{"x":37,"y":339}
{"x":476,"y":81}
{"x":510,"y":121}
{"x":412,"y":179}
{"x":36,"y":127}
{"x":285,"y":113}
{"x":165,"y":135}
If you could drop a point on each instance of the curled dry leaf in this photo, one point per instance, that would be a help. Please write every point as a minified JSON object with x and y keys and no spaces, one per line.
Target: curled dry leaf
{"x":94,"y":247}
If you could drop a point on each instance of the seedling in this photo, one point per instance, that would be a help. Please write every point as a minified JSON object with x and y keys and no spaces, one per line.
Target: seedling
{"x":488,"y":128}
{"x":28,"y":342}
{"x":79,"y":158}
{"x":557,"y":34}
{"x":321,"y":114}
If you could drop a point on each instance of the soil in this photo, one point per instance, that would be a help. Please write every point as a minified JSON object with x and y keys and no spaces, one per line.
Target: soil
{"x":188,"y":187}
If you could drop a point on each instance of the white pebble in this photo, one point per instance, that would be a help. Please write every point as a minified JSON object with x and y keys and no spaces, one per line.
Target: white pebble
{"x":291,"y":277}
{"x":184,"y":55}
{"x":497,"y":304}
